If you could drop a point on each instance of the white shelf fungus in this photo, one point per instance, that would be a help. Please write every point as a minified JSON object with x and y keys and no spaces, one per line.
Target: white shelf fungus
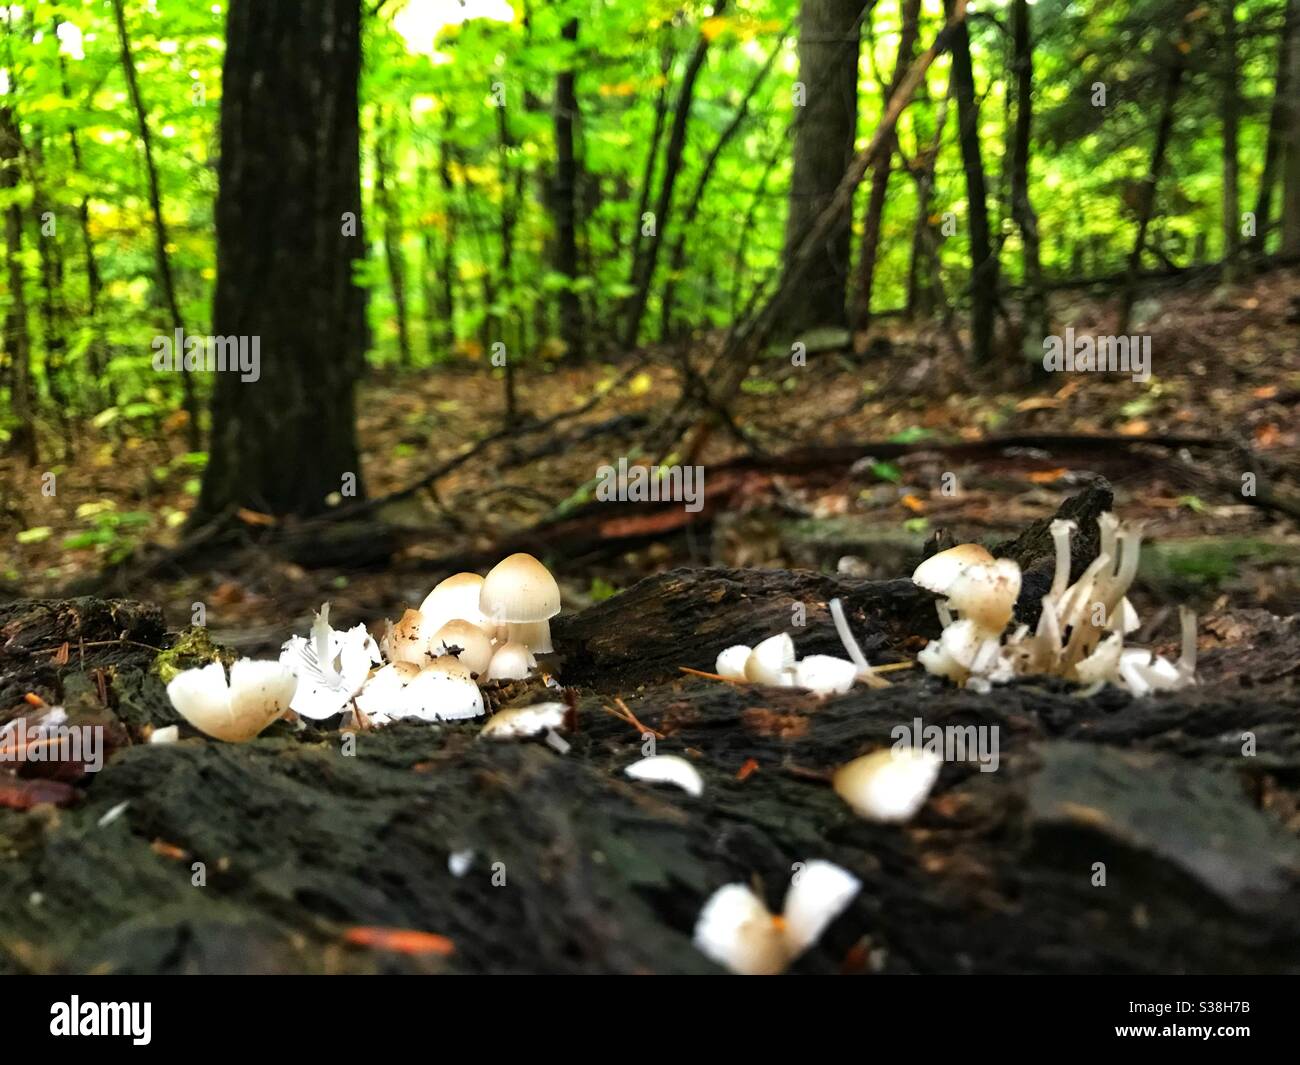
{"x":888,"y":785}
{"x":737,"y":930}
{"x":236,"y":710}
{"x":668,"y":769}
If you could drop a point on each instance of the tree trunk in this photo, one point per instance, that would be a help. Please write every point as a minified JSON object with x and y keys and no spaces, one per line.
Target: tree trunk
{"x":1291,"y":171}
{"x":983,"y":262}
{"x":643,"y":267}
{"x":448,"y":304}
{"x":1147,"y":201}
{"x":288,"y":228}
{"x":911,"y":12}
{"x":677,"y":258}
{"x":924,"y":287}
{"x":393,"y":257}
{"x":1034,"y":325}
{"x":17,"y":339}
{"x":564,"y":201}
{"x":1277,"y":128}
{"x":828,"y":71}
{"x":162,"y":261}
{"x":1231,"y":187}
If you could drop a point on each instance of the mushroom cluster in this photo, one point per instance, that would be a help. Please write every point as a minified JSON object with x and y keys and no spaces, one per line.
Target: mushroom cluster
{"x":772,"y":661}
{"x":468,"y":631}
{"x":1081,"y":627}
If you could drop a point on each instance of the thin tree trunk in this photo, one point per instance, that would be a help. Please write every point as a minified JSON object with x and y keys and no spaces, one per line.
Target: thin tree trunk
{"x":1147,"y":201}
{"x":643,"y":268}
{"x":17,"y":339}
{"x":829,"y":33}
{"x":677,"y":257}
{"x":162,"y":262}
{"x":880,"y":172}
{"x":288,"y":229}
{"x":1231,"y":187}
{"x":94,"y":282}
{"x":393,"y":256}
{"x":983,"y":260}
{"x":666,"y":60}
{"x":1277,"y":136}
{"x":1291,"y":171}
{"x":1034,"y":314}
{"x":448,"y":305}
{"x":564,"y":204}
{"x":509,"y":217}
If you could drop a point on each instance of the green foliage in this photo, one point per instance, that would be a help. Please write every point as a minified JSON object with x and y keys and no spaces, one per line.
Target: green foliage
{"x":469,"y":207}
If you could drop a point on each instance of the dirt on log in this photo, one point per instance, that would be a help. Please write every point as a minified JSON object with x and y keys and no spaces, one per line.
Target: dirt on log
{"x":1116,"y":835}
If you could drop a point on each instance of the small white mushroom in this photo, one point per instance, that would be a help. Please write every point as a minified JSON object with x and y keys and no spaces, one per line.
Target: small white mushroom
{"x":771,"y":661}
{"x":257,"y":694}
{"x":888,"y":785}
{"x":382,"y":694}
{"x":737,"y":930}
{"x":466,"y":642}
{"x":937,"y":572}
{"x":456,"y":598}
{"x":443,"y":691}
{"x":825,"y":674}
{"x":668,"y":769}
{"x":511,"y":661}
{"x":408,"y":640}
{"x":731,"y":662}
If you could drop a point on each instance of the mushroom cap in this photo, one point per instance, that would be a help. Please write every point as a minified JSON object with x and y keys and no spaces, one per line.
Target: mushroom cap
{"x":511,"y":661}
{"x":937,"y":572}
{"x":888,"y":785}
{"x":519,"y":588}
{"x":668,"y":769}
{"x":456,"y":597}
{"x":731,"y":662}
{"x":443,"y":691}
{"x":475,"y":647}
{"x":986,"y":593}
{"x":735,"y":929}
{"x":407,"y":641}
{"x":256,"y":694}
{"x":771,"y":661}
{"x":523,"y":721}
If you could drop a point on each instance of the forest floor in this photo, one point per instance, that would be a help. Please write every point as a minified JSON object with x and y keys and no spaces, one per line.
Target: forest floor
{"x":1225,"y":366}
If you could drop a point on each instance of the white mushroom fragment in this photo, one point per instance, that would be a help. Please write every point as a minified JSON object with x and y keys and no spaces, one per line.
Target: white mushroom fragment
{"x":236,"y":710}
{"x":331,"y":666}
{"x":737,"y":930}
{"x":825,"y":674}
{"x":381,"y":697}
{"x":888,"y":785}
{"x":524,"y":721}
{"x":668,"y":769}
{"x":521,"y":593}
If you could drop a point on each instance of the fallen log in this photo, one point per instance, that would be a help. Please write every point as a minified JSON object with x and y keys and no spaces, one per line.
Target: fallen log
{"x":1110,"y":834}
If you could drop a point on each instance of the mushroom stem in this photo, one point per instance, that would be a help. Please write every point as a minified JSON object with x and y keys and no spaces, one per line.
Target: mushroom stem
{"x":1061,"y":531}
{"x":945,"y":615}
{"x":854,"y":650}
{"x":1187,"y":660}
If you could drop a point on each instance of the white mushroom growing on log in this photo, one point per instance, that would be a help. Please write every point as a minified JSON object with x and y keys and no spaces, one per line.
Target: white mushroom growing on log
{"x":1081,"y":626}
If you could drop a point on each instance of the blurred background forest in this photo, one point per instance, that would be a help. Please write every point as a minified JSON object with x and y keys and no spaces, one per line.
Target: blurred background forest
{"x":490,"y":246}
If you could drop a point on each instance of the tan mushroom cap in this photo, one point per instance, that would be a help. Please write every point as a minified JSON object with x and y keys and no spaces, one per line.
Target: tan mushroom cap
{"x":937,"y":572}
{"x":519,"y":589}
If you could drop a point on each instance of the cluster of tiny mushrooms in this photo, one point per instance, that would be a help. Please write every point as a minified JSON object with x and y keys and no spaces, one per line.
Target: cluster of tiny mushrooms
{"x":472,"y":631}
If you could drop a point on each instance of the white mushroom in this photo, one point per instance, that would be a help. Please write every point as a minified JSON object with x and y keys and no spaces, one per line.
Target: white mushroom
{"x":524,"y":721}
{"x":257,"y":694}
{"x":668,"y":769}
{"x":520,"y":592}
{"x":466,"y":641}
{"x":455,"y":598}
{"x":731,"y":662}
{"x":888,"y":785}
{"x":511,"y":661}
{"x":772,"y":661}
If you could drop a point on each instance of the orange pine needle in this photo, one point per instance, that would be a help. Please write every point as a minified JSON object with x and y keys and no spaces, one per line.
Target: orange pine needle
{"x":399,"y":940}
